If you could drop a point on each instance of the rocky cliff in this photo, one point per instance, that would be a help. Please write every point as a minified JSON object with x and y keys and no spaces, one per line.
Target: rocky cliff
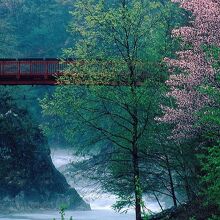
{"x":28,"y":178}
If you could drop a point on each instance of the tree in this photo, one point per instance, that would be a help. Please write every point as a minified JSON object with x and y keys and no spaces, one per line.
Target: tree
{"x":34,"y":28}
{"x":212,"y":175}
{"x":195,"y":68}
{"x":7,"y":37}
{"x":210,"y":122}
{"x":194,"y":87}
{"x":115,"y":38}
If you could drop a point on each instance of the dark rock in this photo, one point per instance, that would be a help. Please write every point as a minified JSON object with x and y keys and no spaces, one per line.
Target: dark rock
{"x":38,"y":186}
{"x":28,"y":178}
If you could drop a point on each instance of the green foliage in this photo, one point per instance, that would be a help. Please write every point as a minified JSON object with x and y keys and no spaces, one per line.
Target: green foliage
{"x":211,"y":179}
{"x":33,"y":28}
{"x":7,"y":38}
{"x":214,"y":217}
{"x":20,"y":138}
{"x":118,"y":41}
{"x":62,"y":213}
{"x":210,"y":122}
{"x":122,"y":202}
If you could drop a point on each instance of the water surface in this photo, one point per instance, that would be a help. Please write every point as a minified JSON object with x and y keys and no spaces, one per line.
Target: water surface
{"x":77,"y":215}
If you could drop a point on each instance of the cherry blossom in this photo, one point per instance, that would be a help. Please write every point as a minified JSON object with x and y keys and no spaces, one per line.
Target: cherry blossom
{"x":191,"y":68}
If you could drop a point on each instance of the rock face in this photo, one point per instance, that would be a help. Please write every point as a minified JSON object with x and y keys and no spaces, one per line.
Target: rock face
{"x":28,"y":178}
{"x":37,"y":185}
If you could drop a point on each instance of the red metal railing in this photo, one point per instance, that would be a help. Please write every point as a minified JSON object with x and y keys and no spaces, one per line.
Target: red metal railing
{"x":45,"y":71}
{"x":30,"y":71}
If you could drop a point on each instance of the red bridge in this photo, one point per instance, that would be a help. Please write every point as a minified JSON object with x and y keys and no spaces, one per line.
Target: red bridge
{"x":30,"y":71}
{"x":37,"y":71}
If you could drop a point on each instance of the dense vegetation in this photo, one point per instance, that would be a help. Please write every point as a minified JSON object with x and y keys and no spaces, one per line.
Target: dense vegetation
{"x":28,"y":178}
{"x":156,"y":134}
{"x":33,"y":28}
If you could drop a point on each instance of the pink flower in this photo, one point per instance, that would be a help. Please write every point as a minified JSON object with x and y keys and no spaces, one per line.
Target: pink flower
{"x":195,"y":69}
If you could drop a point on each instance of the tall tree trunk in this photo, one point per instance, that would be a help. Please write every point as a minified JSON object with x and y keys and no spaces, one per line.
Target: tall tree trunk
{"x":188,"y":188}
{"x":138,"y":196}
{"x":137,"y":184}
{"x":171,"y":181}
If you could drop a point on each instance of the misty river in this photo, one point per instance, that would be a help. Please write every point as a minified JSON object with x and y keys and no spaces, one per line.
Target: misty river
{"x":100,"y":205}
{"x":77,"y":215}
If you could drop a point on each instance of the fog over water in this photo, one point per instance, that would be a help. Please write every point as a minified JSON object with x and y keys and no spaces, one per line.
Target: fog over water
{"x":97,"y":201}
{"x":100,"y":204}
{"x":81,"y":215}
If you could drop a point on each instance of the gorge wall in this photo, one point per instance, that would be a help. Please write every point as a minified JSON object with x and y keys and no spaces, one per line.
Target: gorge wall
{"x":28,"y":178}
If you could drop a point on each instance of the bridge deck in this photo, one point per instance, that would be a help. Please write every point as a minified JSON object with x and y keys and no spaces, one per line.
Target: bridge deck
{"x":44,"y":72}
{"x":30,"y":71}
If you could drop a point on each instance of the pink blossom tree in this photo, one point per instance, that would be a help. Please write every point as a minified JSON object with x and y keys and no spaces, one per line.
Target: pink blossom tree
{"x":192,"y":68}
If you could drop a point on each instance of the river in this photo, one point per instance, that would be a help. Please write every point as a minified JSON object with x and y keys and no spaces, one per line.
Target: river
{"x":101,"y":205}
{"x":77,"y":215}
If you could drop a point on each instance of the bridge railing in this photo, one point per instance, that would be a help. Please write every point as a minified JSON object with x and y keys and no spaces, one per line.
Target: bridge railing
{"x":38,"y":71}
{"x":31,"y":68}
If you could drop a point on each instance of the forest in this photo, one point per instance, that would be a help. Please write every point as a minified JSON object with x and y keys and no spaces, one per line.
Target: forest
{"x":140,"y":107}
